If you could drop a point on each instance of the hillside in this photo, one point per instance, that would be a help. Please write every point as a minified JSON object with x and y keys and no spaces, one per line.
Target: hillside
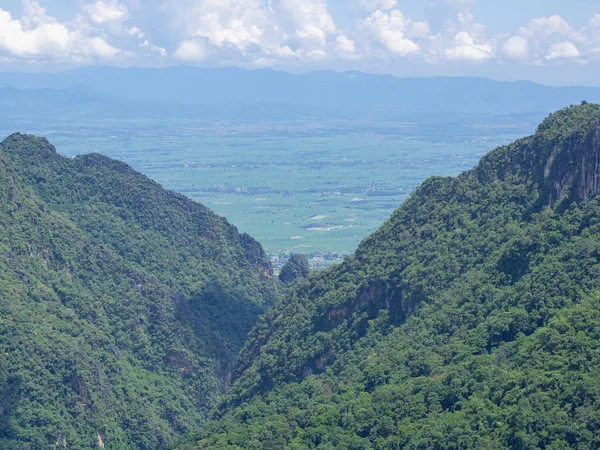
{"x":470,"y":319}
{"x":343,"y":92}
{"x":122,"y":305}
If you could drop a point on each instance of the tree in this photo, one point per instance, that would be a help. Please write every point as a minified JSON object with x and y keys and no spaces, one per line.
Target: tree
{"x":297,"y":267}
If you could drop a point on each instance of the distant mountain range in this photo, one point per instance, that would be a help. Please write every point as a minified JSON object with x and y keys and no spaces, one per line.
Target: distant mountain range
{"x":43,"y":104}
{"x":337,"y":91}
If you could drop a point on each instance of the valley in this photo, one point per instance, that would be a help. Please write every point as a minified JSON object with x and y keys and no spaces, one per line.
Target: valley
{"x":299,"y":225}
{"x":134,"y":317}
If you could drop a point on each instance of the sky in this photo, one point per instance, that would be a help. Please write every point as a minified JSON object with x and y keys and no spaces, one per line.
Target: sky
{"x":554,"y":42}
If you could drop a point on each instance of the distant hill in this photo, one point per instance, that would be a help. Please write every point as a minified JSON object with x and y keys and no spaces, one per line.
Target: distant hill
{"x":122,"y":305}
{"x":344,"y":91}
{"x":40,"y":105}
{"x":470,"y":319}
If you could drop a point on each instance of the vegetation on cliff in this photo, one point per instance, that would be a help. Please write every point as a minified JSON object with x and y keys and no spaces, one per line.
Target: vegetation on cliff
{"x":122,"y":305}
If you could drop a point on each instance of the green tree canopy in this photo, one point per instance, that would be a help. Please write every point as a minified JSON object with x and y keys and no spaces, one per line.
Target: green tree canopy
{"x":295,"y":268}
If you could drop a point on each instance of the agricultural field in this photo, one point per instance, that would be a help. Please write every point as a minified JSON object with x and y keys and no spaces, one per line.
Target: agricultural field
{"x":306,"y":186}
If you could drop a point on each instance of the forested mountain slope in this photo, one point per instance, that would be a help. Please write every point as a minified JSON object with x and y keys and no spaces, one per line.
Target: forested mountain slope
{"x":122,"y":305}
{"x":471,"y":319}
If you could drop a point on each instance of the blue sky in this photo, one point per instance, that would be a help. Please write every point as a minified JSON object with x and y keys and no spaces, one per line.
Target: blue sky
{"x":549,"y":41}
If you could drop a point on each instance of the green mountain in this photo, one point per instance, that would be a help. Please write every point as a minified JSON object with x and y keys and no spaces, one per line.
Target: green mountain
{"x":470,"y":319}
{"x":122,"y":305}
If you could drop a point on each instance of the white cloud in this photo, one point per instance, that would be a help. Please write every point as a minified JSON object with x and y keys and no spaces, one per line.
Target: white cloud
{"x":143,"y":41}
{"x":111,"y":18}
{"x":373,"y":5}
{"x":46,"y":38}
{"x":283,"y":51}
{"x":308,"y":20}
{"x":515,"y":48}
{"x":225,"y":22}
{"x":251,"y":31}
{"x":442,"y":14}
{"x":458,"y":3}
{"x":345,"y":45}
{"x":192,"y":50}
{"x":39,"y":36}
{"x":593,"y":30}
{"x":546,"y":27}
{"x":284,"y":32}
{"x":33,"y":15}
{"x":562,"y":50}
{"x":95,"y":46}
{"x":550,"y":39}
{"x":346,"y":48}
{"x":466,"y":49}
{"x":263,"y":62}
{"x":316,"y":55}
{"x":393,"y":30}
{"x":101,"y":12}
{"x":236,"y":31}
{"x":462,"y":40}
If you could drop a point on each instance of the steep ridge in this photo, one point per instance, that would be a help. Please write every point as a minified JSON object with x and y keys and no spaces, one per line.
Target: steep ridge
{"x":468,"y":320}
{"x":122,"y":305}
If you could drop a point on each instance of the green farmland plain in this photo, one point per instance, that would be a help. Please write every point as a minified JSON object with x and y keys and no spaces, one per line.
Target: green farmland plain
{"x":307,"y":186}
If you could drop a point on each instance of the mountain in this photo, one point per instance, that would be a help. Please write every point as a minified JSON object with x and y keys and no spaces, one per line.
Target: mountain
{"x":122,"y":305}
{"x":341,"y":91}
{"x":63,"y":105}
{"x":470,"y":319}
